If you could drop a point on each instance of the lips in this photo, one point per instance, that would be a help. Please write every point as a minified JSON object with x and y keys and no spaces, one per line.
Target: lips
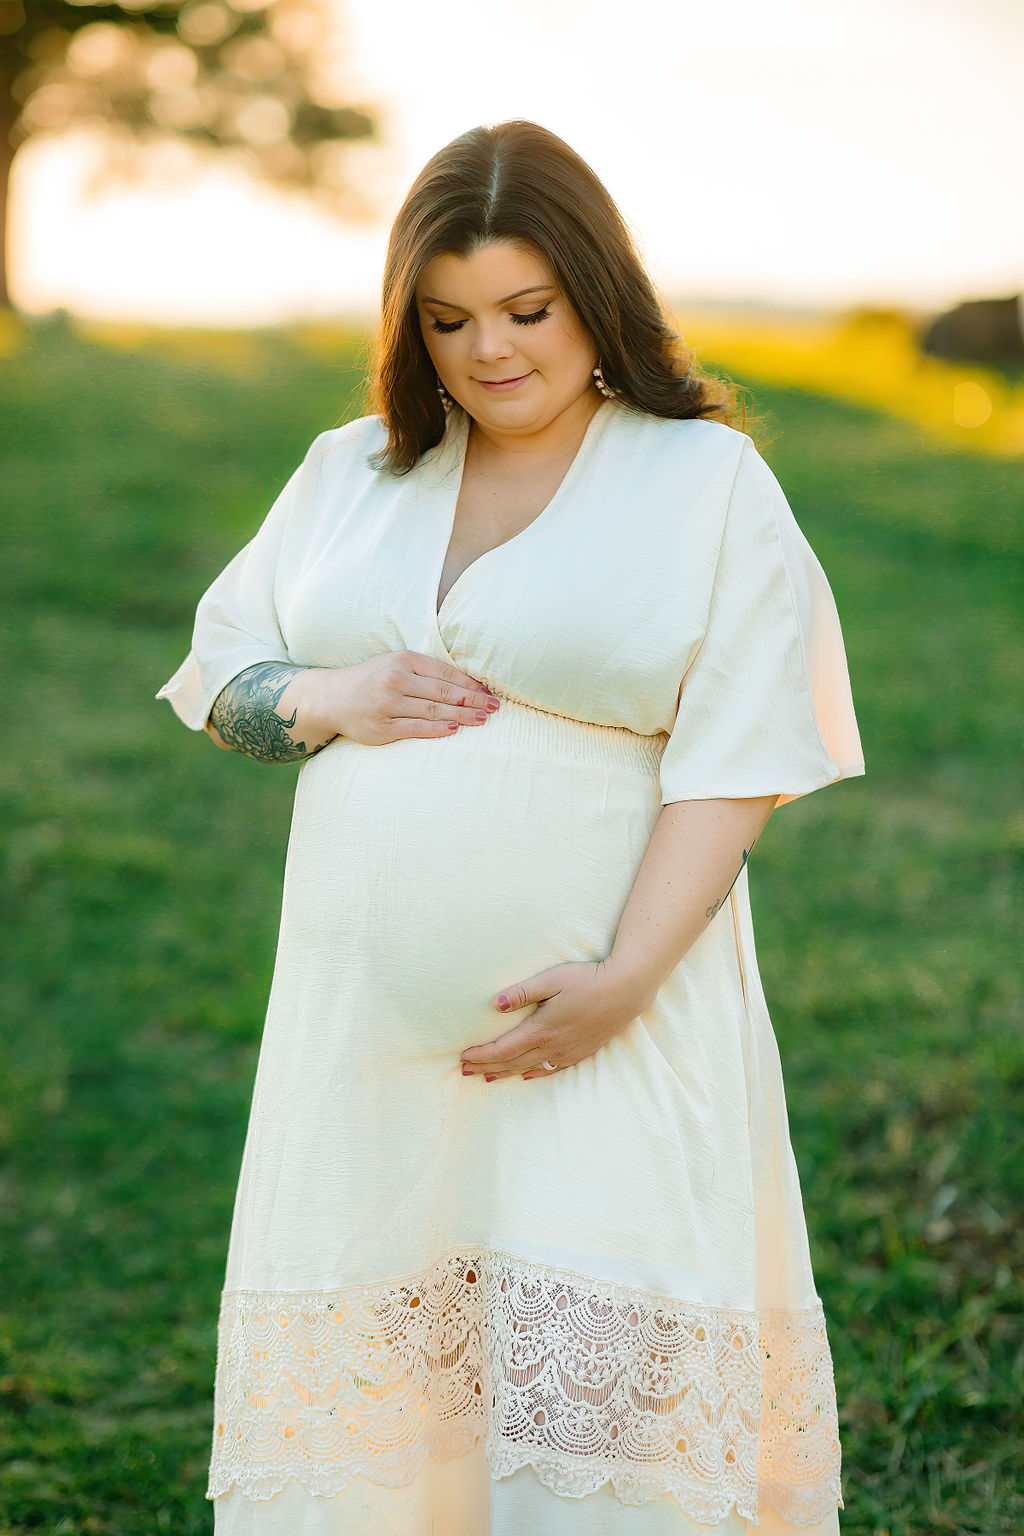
{"x":505,"y":384}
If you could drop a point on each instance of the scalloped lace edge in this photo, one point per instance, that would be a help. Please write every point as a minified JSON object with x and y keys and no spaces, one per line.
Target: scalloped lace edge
{"x":584,"y":1381}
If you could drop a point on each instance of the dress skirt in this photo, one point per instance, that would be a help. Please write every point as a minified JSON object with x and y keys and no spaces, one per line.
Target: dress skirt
{"x":579,"y":1304}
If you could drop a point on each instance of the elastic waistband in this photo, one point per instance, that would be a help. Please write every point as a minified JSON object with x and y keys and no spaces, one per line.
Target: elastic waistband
{"x":518,"y":727}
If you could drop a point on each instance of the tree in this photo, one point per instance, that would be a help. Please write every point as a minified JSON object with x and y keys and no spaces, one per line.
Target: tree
{"x":235,"y":76}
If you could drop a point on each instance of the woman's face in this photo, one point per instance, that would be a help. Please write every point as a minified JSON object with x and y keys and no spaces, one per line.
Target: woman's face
{"x":498,"y":315}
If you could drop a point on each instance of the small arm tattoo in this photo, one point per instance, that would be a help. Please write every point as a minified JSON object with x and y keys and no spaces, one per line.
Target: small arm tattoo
{"x":245,"y":717}
{"x":712,"y":910}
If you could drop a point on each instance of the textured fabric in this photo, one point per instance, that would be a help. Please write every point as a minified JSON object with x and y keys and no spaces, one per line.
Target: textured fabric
{"x":576,"y":1304}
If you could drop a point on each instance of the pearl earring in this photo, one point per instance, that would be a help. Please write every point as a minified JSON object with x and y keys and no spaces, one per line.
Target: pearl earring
{"x":603,"y":386}
{"x":446,"y":399}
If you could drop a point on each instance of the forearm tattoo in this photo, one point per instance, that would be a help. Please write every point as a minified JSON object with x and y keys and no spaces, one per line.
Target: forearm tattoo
{"x":244,"y":715}
{"x":712,"y":910}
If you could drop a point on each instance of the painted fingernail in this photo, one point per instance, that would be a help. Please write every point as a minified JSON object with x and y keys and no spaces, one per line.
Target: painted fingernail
{"x":502,"y":1002}
{"x":451,"y":725}
{"x":468,"y":1072}
{"x":490,"y":1079}
{"x":492,"y":704}
{"x":480,"y":716}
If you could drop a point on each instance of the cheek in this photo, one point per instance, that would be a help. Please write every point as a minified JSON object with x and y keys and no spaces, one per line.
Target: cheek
{"x":565,"y":346}
{"x":444,"y":350}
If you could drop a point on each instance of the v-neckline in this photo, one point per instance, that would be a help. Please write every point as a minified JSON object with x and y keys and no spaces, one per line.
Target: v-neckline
{"x":460,"y":448}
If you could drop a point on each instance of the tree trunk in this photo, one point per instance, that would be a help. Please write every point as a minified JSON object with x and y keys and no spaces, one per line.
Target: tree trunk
{"x":6,"y":161}
{"x":8,"y":118}
{"x":11,"y":60}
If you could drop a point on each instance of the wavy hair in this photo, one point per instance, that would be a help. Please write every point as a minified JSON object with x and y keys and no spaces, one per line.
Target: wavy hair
{"x":519,"y":182}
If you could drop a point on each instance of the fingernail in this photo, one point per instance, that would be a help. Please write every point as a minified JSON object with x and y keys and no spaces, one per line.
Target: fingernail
{"x":491,"y":704}
{"x":502,"y":1002}
{"x":480,"y":716}
{"x":489,"y":1079}
{"x":452,"y":725}
{"x":468,"y":1072}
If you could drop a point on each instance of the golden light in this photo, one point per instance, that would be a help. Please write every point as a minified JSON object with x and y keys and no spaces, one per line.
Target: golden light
{"x":254,"y":58}
{"x":263,"y":120}
{"x":98,"y":48}
{"x":169,"y":67}
{"x":180,"y":109}
{"x":296,"y":24}
{"x":206,"y":23}
{"x":82,"y":241}
{"x":971,"y":404}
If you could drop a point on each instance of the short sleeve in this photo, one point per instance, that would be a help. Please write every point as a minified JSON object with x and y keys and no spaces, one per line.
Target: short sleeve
{"x":765,"y":706}
{"x":236,"y":623}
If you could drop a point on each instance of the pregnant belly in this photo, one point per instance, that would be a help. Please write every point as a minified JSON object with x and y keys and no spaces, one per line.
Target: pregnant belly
{"x":425,"y":875}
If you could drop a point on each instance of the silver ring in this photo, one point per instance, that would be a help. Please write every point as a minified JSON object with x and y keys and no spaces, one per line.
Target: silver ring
{"x":549,"y":1066}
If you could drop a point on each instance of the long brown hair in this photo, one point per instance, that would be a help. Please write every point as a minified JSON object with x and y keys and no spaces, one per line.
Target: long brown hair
{"x":518,"y":181}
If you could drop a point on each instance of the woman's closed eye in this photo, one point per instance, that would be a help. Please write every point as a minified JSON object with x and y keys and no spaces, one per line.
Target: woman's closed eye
{"x":447,"y":326}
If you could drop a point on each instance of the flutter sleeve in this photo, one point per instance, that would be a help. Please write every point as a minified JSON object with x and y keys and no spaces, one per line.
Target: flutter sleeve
{"x":236,"y":623}
{"x":765,"y":705}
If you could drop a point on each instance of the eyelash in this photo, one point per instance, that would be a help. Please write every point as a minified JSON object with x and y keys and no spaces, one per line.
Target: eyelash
{"x":447,"y":326}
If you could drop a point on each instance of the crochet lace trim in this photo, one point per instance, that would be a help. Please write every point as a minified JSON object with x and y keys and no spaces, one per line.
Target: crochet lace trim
{"x":585,"y":1382}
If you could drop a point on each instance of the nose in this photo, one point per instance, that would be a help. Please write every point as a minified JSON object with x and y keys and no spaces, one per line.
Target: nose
{"x":491,"y":341}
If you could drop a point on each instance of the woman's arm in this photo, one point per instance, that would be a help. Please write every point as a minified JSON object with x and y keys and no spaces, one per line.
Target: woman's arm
{"x":270,"y":712}
{"x":280,"y":713}
{"x":695,"y":855}
{"x":692,"y":860}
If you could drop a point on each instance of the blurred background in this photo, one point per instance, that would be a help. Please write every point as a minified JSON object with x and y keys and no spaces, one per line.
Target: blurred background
{"x":195,"y":201}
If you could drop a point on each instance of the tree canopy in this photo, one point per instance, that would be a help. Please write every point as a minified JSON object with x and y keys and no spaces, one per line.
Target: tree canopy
{"x":226,"y":76}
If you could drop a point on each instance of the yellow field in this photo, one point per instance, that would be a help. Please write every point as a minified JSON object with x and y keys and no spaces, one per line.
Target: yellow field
{"x":873,"y":360}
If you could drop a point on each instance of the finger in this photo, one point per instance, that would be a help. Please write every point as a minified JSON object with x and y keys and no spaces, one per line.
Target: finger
{"x":540,"y":988}
{"x":441,"y":682}
{"x":508,"y":1048}
{"x":407,"y":725}
{"x":525,"y":1068}
{"x":531,"y":1064}
{"x":514,"y":1069}
{"x":524,"y":1052}
{"x":537,"y":990}
{"x":538,"y":1069}
{"x":419,"y":707}
{"x":533,"y":1061}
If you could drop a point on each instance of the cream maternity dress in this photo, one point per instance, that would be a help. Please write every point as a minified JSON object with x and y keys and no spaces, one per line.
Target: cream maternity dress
{"x":581,"y":1305}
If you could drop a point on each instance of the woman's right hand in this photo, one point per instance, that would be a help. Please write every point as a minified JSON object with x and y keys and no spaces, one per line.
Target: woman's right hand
{"x":397,"y":694}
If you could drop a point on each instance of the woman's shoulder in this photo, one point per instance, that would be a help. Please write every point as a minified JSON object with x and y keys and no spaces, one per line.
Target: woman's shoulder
{"x":693,"y":456}
{"x":692,"y":436}
{"x":350,"y":444}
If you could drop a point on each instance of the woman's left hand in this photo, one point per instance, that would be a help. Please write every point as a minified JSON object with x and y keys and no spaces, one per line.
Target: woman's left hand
{"x":582,"y":1004}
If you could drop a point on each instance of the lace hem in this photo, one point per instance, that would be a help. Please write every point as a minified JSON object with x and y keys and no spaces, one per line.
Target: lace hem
{"x":587,"y":1383}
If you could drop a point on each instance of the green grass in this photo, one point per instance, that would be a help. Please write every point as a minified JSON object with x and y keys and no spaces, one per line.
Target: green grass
{"x":141,"y":900}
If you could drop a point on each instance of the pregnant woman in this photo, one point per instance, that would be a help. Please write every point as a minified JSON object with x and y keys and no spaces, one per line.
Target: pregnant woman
{"x":519,"y":1246}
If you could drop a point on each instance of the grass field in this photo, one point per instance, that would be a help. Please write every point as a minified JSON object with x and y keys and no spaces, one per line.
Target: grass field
{"x":141,"y":899}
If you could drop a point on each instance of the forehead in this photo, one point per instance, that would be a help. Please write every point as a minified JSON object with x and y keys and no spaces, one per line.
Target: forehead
{"x":491,"y":272}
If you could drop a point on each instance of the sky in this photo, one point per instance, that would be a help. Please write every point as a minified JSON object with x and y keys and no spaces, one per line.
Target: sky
{"x":805,"y":153}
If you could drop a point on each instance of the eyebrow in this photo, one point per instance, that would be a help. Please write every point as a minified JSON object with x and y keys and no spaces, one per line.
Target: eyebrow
{"x":540,"y":288}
